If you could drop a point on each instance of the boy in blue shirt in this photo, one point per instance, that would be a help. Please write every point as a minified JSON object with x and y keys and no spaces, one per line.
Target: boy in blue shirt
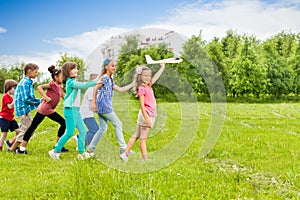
{"x":25,"y":101}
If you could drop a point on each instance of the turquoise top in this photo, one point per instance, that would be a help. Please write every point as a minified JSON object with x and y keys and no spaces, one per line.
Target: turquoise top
{"x":73,"y":87}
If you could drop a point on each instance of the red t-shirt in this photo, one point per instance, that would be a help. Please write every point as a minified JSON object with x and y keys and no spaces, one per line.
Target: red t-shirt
{"x":7,"y":113}
{"x":149,"y":99}
{"x":54,"y":92}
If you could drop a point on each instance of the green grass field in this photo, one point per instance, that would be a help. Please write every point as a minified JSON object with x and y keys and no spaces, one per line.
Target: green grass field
{"x":256,"y":157}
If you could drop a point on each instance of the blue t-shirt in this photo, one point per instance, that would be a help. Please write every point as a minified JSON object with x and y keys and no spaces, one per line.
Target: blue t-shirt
{"x":104,"y":96}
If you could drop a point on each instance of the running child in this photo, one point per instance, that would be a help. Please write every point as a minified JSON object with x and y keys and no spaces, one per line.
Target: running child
{"x":71,"y":110}
{"x":7,"y":121}
{"x":103,"y":105}
{"x":87,"y":113}
{"x":25,"y":101}
{"x":46,"y":108}
{"x":147,"y":112}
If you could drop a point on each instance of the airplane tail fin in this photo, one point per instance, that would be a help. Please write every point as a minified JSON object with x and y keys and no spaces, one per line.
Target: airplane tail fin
{"x":149,"y":60}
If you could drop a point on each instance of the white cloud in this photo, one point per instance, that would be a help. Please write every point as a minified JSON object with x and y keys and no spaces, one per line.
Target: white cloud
{"x":214,"y":18}
{"x":3,"y":30}
{"x":251,"y":17}
{"x":86,"y":42}
{"x":43,"y":60}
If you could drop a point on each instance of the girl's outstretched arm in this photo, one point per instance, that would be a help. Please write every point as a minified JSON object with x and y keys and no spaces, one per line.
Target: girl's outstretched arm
{"x":158,"y":73}
{"x":41,"y":89}
{"x":123,"y":89}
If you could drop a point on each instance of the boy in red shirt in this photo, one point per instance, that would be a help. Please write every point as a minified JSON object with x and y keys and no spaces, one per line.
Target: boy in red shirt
{"x":7,"y":121}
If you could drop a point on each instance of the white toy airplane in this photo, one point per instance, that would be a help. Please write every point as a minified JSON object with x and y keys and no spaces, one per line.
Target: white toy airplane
{"x":149,"y":60}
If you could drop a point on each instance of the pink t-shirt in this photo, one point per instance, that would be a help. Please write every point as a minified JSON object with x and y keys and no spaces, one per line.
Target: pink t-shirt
{"x":149,"y":102}
{"x":7,"y":113}
{"x":54,"y":92}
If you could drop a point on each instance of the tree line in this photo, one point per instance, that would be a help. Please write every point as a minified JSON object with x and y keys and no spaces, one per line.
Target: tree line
{"x":247,"y":67}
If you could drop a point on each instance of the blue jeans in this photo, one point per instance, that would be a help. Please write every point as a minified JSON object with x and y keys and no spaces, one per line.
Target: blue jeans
{"x":73,"y":120}
{"x":93,"y":127}
{"x":104,"y":118}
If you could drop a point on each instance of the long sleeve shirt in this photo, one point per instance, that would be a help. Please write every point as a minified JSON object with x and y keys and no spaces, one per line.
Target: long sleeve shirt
{"x":25,"y":100}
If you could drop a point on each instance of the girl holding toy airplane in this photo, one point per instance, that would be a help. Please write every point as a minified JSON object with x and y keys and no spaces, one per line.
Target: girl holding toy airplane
{"x":147,"y":113}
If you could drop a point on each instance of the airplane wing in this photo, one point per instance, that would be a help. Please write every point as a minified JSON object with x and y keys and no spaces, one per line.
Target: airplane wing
{"x":149,"y":60}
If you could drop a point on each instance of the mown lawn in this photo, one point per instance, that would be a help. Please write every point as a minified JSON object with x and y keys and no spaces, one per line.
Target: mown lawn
{"x":256,"y":157}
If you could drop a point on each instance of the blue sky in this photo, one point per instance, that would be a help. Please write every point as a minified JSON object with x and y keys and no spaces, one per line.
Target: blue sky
{"x":30,"y":22}
{"x":37,"y":30}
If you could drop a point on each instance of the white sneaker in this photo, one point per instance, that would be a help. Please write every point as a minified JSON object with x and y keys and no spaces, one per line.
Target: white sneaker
{"x":124,"y":157}
{"x":53,"y":155}
{"x":92,"y":154}
{"x":83,"y":156}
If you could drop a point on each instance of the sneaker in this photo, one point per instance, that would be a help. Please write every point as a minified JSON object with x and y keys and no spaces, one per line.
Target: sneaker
{"x":64,"y":150}
{"x":124,"y":157}
{"x":12,"y":151}
{"x":92,"y":154}
{"x":18,"y":151}
{"x":83,"y":156}
{"x":53,"y":155}
{"x":8,"y":144}
{"x":124,"y":150}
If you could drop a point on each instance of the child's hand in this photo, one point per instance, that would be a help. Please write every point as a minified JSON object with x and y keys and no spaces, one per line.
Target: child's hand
{"x":100,"y":81}
{"x":148,"y":122}
{"x":47,"y":99}
{"x":162,"y":64}
{"x":95,"y":109}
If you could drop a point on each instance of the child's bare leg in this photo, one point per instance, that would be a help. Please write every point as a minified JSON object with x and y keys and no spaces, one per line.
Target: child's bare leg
{"x":3,"y":136}
{"x":13,"y":139}
{"x":24,"y":143}
{"x":132,"y":140}
{"x":14,"y":146}
{"x":143,"y":139}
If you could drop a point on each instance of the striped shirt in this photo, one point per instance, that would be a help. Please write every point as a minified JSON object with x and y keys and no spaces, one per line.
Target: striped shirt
{"x":104,"y":96}
{"x":25,"y":100}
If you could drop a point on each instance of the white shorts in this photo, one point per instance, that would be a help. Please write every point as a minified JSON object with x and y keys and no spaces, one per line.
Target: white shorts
{"x":141,"y":120}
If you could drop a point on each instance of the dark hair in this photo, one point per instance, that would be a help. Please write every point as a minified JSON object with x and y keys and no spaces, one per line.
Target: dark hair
{"x":8,"y":84}
{"x":66,"y":68}
{"x":54,"y":72}
{"x":30,"y":66}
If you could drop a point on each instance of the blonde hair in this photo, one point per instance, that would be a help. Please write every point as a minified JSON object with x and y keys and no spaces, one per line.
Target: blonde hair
{"x":138,"y":77}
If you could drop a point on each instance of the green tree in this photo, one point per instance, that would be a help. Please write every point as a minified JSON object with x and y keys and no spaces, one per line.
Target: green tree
{"x":278,"y":72}
{"x":214,"y":49}
{"x":294,"y":62}
{"x":231,"y":48}
{"x":131,"y":56}
{"x":13,"y":71}
{"x":201,"y":70}
{"x":248,"y":76}
{"x":79,"y":61}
